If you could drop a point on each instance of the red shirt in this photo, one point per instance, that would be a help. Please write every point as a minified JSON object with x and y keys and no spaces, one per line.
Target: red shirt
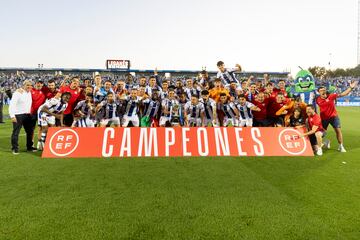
{"x":75,"y":93}
{"x":38,"y":99}
{"x":250,"y":96}
{"x":262,"y":115}
{"x":49,"y":94}
{"x":327,"y":106}
{"x":274,"y":106}
{"x":277,"y":90}
{"x":315,"y":120}
{"x":82,"y":95}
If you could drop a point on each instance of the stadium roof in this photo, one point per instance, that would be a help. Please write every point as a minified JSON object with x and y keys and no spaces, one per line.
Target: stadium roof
{"x":122,"y":71}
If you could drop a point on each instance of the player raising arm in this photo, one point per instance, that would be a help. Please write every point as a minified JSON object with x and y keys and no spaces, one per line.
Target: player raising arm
{"x":328,"y":112}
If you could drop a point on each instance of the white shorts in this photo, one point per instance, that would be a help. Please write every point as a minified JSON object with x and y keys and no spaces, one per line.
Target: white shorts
{"x":84,"y":122}
{"x":45,"y":119}
{"x":115,"y":121}
{"x":126,"y":120}
{"x":246,"y":122}
{"x":233,"y":121}
{"x":196,"y":122}
{"x":164,"y":120}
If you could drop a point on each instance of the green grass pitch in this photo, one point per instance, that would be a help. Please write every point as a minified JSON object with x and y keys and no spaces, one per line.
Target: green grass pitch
{"x":183,"y":198}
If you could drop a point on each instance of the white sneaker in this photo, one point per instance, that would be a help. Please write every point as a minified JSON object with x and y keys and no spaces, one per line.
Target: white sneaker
{"x":326,"y":144}
{"x":319,"y":152}
{"x":341,"y":148}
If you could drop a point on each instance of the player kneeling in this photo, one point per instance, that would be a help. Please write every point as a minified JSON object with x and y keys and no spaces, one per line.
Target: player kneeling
{"x":85,"y":112}
{"x":245,"y":108}
{"x":131,"y":109}
{"x":110,"y":110}
{"x":209,"y":109}
{"x":194,"y":112}
{"x":231,"y":113}
{"x":51,"y":110}
{"x":170,"y":114}
{"x":316,"y":131}
{"x":150,"y":111}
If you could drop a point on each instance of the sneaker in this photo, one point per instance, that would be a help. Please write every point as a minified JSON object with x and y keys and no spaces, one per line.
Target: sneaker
{"x":341,"y":148}
{"x":32,"y":149}
{"x":326,"y":144}
{"x":319,"y":152}
{"x":15,"y":152}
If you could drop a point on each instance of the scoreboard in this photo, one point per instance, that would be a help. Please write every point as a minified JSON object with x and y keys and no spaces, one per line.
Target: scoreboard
{"x":118,"y":64}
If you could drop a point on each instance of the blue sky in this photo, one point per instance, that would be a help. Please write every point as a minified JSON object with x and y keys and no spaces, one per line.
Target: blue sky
{"x":260,"y":35}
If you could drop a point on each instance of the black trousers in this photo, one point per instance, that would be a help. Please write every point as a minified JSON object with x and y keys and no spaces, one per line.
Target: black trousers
{"x":23,"y":120}
{"x":68,"y":119}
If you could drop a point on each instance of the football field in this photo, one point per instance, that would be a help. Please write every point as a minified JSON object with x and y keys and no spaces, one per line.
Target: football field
{"x":183,"y":198}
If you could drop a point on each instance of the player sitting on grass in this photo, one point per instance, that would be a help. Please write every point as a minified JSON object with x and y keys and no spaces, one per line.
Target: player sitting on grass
{"x":170,"y":114}
{"x":194,"y":112}
{"x":85,"y":112}
{"x":51,"y":110}
{"x":110,"y":110}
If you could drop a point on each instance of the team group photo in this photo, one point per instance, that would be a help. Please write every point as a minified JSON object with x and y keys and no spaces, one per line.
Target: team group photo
{"x":180,"y":120}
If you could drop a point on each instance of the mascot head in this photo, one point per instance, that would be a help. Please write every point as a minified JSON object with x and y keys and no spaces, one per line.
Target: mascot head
{"x":304,"y":81}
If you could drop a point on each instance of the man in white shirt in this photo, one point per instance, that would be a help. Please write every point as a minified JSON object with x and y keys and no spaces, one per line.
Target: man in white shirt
{"x":19,"y":111}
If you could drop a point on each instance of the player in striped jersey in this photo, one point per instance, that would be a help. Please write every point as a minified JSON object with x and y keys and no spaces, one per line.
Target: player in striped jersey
{"x":85,"y":112}
{"x":51,"y":110}
{"x":110,"y":111}
{"x":152,"y":86}
{"x":191,"y":90}
{"x":171,"y":110}
{"x":245,"y":114}
{"x":194,"y":112}
{"x":164,"y":89}
{"x":227,"y":75}
{"x":210,"y":117}
{"x":131,"y":104}
{"x":150,"y":111}
{"x":231,"y":113}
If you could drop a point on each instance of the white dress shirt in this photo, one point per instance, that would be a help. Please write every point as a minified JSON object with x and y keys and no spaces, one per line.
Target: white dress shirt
{"x":20,"y":103}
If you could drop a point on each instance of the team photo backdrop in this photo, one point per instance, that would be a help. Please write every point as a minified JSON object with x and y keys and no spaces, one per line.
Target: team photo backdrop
{"x":175,"y":142}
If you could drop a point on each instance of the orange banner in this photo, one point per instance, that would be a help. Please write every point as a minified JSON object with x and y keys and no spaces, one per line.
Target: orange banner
{"x":174,"y":142}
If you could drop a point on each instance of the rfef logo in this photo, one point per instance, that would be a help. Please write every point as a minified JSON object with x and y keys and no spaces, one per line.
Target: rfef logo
{"x":64,"y":142}
{"x":291,"y":143}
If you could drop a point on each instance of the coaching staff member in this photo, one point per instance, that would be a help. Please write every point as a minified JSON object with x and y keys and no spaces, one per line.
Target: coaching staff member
{"x":19,"y":111}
